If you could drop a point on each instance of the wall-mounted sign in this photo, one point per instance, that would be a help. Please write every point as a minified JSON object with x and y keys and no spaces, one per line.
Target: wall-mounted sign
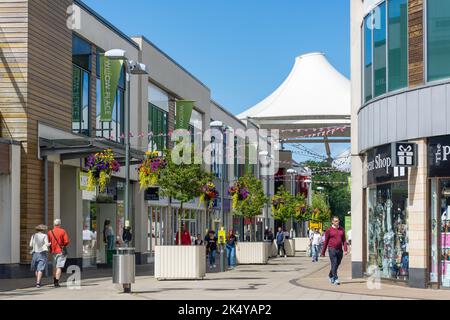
{"x":83,"y":181}
{"x":380,"y":166}
{"x":151,"y":194}
{"x":439,"y":156}
{"x":405,"y":154}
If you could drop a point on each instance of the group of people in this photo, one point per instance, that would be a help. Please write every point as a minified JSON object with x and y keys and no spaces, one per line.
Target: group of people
{"x":212,"y":244}
{"x":44,"y":242}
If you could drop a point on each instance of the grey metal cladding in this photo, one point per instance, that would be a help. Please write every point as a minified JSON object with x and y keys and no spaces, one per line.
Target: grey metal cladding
{"x":407,"y":115}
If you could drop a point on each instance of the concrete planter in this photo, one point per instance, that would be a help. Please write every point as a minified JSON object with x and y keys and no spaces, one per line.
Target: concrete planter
{"x":301,"y":244}
{"x":253,"y":252}
{"x":180,"y":262}
{"x":289,"y":247}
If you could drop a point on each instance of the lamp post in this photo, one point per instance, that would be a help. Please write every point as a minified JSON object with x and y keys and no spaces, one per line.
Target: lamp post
{"x":125,"y":270}
{"x":309,"y":182}
{"x":218,"y":125}
{"x":131,"y":68}
{"x":265,"y":154}
{"x":292,"y":172}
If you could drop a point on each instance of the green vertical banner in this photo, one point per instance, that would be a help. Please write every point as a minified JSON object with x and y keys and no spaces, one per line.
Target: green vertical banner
{"x":183,"y":113}
{"x":348,"y":224}
{"x":76,"y":94}
{"x":109,"y":78}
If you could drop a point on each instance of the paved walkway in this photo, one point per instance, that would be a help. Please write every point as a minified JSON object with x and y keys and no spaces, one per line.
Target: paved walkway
{"x":319,"y":280}
{"x":279,"y":280}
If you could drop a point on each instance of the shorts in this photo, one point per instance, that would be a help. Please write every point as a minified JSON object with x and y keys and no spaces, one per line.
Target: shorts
{"x":59,"y":260}
{"x":39,"y":261}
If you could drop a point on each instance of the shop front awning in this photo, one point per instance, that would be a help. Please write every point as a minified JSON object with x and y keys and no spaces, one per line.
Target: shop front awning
{"x":80,"y":148}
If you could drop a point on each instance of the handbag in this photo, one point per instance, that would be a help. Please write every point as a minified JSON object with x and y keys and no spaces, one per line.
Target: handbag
{"x":63,"y":249}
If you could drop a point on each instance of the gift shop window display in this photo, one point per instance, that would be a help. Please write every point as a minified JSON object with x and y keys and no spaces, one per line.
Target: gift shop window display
{"x":440,"y":232}
{"x":387,"y":233}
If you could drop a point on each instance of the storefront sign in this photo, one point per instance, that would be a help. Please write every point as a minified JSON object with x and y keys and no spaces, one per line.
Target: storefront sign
{"x":439,"y":156}
{"x":405,"y":154}
{"x":152,"y":194}
{"x":4,"y":159}
{"x":110,"y":71}
{"x":83,"y":181}
{"x":380,"y":166}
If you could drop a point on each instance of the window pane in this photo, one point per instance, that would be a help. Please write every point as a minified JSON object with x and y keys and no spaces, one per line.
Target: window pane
{"x":85,"y":112}
{"x":398,"y":44}
{"x":367,"y":58}
{"x":81,"y":53}
{"x":379,"y":51}
{"x":438,"y":42}
{"x":76,"y":98}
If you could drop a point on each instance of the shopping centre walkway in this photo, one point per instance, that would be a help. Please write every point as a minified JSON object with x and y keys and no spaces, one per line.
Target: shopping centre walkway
{"x":318,"y":280}
{"x":281,"y":279}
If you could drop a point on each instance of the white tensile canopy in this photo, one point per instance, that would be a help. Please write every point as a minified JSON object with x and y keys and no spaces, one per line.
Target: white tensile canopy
{"x":315,"y":97}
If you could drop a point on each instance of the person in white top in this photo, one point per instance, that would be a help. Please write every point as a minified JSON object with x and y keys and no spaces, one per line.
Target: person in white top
{"x":349,"y":237}
{"x":315,"y":245}
{"x":88,"y":239}
{"x":39,"y":244}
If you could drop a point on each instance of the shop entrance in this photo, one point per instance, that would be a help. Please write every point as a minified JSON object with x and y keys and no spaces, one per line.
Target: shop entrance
{"x":440,"y":232}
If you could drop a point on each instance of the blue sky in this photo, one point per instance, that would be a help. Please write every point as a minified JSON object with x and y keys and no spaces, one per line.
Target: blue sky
{"x":241,"y":49}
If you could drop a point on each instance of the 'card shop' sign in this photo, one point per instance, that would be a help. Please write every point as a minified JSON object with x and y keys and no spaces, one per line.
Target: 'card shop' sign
{"x":439,"y":156}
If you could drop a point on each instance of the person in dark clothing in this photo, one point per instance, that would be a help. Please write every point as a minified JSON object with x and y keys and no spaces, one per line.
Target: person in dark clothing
{"x":334,"y":241}
{"x":211,"y":247}
{"x":281,"y":237}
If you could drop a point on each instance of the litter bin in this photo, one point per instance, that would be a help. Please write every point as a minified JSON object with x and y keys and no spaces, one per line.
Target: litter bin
{"x":124,"y":268}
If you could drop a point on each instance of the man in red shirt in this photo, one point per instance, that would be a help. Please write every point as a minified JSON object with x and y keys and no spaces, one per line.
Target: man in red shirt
{"x":59,"y":240}
{"x":185,"y":237}
{"x":335,"y":240}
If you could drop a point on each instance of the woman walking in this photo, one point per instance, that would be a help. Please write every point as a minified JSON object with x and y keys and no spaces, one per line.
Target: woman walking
{"x":39,"y":244}
{"x":231,"y":249}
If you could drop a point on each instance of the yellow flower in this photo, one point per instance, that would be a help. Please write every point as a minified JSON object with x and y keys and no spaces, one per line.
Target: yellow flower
{"x":148,"y":153}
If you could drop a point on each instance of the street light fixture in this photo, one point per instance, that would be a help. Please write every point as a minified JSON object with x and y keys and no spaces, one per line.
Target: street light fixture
{"x":293,"y":173}
{"x":134,"y":68}
{"x":265,"y":154}
{"x":218,"y":125}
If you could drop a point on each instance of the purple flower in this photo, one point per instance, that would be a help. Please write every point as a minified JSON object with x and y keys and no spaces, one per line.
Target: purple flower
{"x":101,"y":165}
{"x":90,"y":161}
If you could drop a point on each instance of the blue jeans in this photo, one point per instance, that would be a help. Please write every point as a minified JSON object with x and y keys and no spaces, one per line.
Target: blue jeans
{"x":212,"y":257}
{"x":231,"y":255}
{"x":315,"y":252}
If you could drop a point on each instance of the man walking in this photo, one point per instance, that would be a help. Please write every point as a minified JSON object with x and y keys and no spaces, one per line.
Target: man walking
{"x":59,"y":240}
{"x":281,"y":237}
{"x":334,"y":241}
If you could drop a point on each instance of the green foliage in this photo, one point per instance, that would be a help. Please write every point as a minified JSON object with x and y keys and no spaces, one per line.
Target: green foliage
{"x":302,"y":210}
{"x":320,"y":210}
{"x":336,"y":194}
{"x":182,"y":181}
{"x":283,"y":205}
{"x":254,"y":203}
{"x":286,"y":206}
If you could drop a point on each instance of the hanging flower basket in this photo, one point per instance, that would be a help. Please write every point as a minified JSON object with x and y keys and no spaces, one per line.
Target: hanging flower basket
{"x":277,"y":203}
{"x":208,"y":194}
{"x":101,"y":167}
{"x":238,"y":193}
{"x":303,"y":212}
{"x":150,"y":169}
